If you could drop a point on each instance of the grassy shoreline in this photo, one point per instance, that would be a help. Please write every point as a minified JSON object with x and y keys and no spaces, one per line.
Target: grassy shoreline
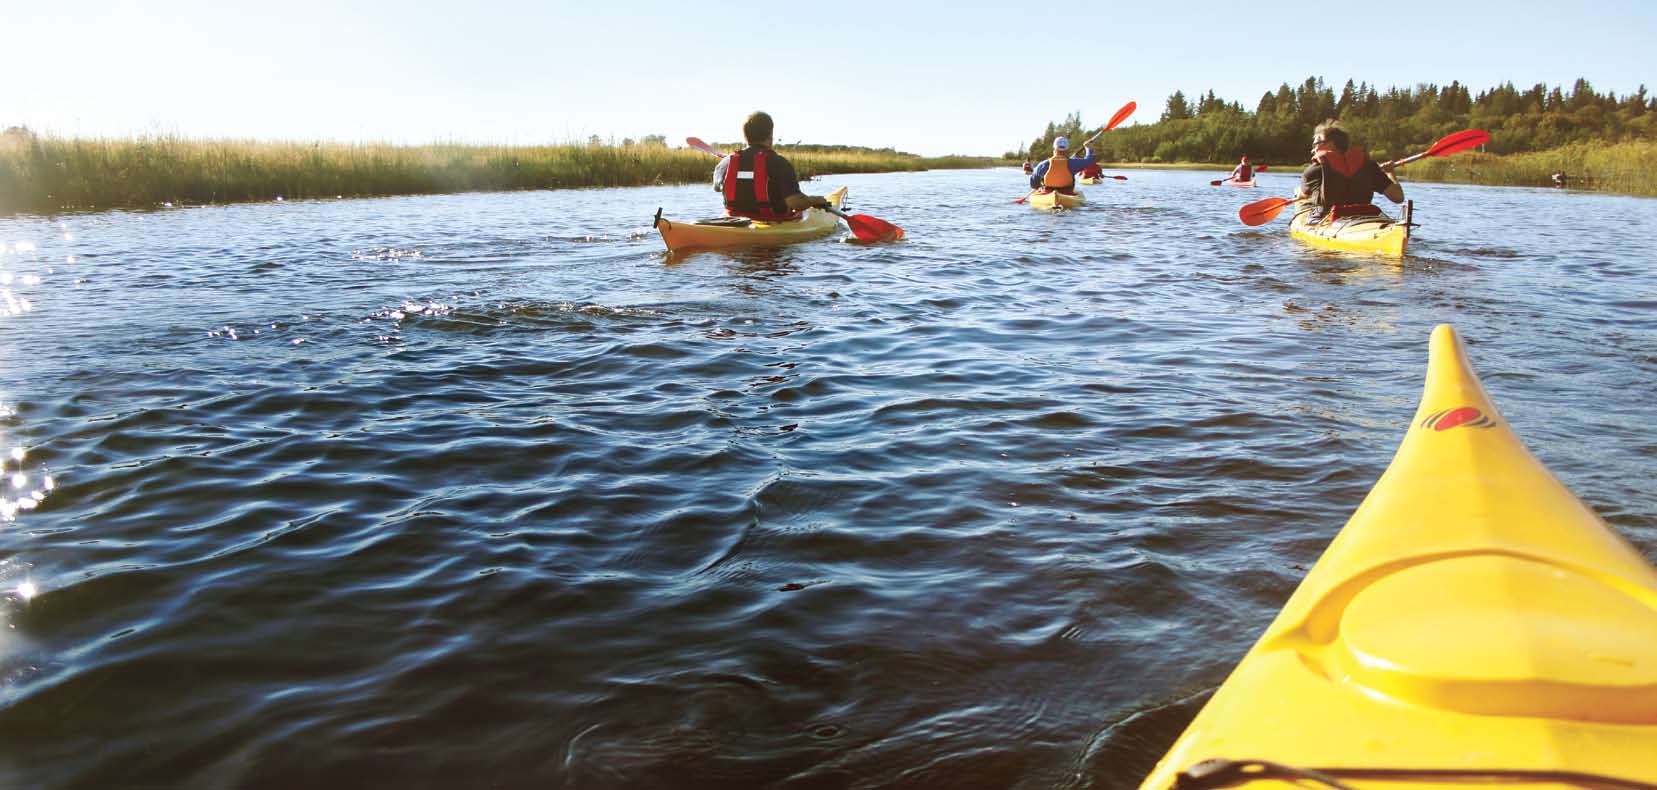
{"x":1627,"y":168}
{"x":46,"y":173}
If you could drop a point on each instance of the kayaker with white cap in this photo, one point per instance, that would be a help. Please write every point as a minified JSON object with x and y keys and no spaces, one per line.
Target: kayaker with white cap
{"x":1059,"y":172}
{"x":762,"y":184}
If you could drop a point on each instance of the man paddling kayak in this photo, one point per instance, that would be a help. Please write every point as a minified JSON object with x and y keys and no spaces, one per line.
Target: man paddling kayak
{"x":1092,"y":171}
{"x":1342,"y":175}
{"x":1058,"y":174}
{"x":1243,"y":171}
{"x":757,"y":182}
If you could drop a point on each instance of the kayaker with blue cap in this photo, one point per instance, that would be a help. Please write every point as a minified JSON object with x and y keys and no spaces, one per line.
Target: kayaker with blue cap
{"x":758,"y":182}
{"x":1059,"y":172}
{"x":1342,"y":179}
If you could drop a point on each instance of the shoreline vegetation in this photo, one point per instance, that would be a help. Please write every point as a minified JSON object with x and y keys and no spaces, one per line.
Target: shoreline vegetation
{"x":1600,"y":141}
{"x":46,"y":173}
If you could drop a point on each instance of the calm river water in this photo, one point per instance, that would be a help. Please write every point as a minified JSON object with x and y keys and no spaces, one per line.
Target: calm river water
{"x":484,"y":491}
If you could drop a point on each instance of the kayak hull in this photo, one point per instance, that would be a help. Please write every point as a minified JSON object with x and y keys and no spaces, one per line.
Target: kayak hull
{"x":1379,"y":234}
{"x":1056,"y":200}
{"x":813,"y":224}
{"x":1230,"y":182}
{"x":1099,"y":180}
{"x":1473,"y":614}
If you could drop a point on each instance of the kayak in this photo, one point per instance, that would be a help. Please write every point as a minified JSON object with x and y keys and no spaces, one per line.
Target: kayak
{"x":1473,"y":621}
{"x":812,"y":224}
{"x":1040,"y":199}
{"x":1088,"y":180}
{"x":1379,"y":233}
{"x":1232,"y":182}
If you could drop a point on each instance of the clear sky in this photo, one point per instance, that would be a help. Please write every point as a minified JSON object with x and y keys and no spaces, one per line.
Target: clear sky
{"x":928,"y":77}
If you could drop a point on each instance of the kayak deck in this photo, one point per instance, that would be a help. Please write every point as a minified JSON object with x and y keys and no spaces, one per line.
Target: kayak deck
{"x":1055,"y":200}
{"x":1379,"y":234}
{"x":813,"y":224}
{"x":1473,"y":615}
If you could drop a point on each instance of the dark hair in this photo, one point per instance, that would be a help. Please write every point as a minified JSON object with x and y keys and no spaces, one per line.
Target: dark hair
{"x":757,"y":129}
{"x":1330,"y":131}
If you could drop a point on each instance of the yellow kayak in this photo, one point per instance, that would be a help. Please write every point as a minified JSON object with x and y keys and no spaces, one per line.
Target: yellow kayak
{"x":813,"y":224}
{"x":1380,"y":234}
{"x":1473,"y":622}
{"x":1040,"y":199}
{"x":1086,"y":180}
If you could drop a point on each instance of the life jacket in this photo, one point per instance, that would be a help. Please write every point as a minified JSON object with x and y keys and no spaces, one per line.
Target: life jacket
{"x":1339,"y":186}
{"x":1093,"y":171}
{"x":1058,"y":173}
{"x":748,"y":191}
{"x":1245,"y":172}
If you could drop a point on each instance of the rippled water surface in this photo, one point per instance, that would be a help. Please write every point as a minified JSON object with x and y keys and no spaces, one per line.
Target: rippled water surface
{"x":483,"y":490}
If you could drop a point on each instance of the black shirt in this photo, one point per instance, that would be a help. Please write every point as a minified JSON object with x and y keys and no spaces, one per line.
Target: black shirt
{"x":1340,"y":190}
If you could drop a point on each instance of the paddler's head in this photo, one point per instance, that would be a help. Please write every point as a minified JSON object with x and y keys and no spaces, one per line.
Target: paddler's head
{"x":1245,"y":159}
{"x":757,"y":129}
{"x":1061,"y":145}
{"x":1330,"y":136}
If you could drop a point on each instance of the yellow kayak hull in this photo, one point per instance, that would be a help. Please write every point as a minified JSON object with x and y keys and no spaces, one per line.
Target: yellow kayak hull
{"x":1381,"y":234}
{"x":813,"y":224}
{"x":1099,"y":180}
{"x":1051,"y":200}
{"x":1472,"y":615}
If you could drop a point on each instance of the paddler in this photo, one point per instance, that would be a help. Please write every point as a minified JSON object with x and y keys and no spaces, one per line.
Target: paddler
{"x":1059,"y":172}
{"x":757,"y":182}
{"x":1243,"y":171}
{"x":1092,"y":171}
{"x":1028,"y":168}
{"x":1341,"y":174}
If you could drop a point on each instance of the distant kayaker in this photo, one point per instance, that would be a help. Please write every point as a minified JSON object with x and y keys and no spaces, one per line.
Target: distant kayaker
{"x":1059,"y":172}
{"x":1559,"y":180}
{"x":1028,"y":168}
{"x":1243,"y":171}
{"x":1341,"y":174}
{"x":761,"y":185}
{"x":1092,"y":171}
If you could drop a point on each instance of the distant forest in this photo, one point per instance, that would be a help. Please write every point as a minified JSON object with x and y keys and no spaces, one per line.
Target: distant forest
{"x":1390,"y":123}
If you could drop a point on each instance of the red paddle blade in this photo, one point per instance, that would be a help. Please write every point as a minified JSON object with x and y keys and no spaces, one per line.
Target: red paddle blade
{"x":696,"y":142}
{"x":867,"y":228}
{"x":1261,"y":212}
{"x":1119,"y":178}
{"x":1260,"y":169}
{"x":1215,"y":183}
{"x":1121,"y":115}
{"x":1460,"y":141}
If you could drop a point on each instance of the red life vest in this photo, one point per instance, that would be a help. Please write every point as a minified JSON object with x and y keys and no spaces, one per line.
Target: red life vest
{"x":748,"y":192}
{"x":1338,"y":187}
{"x":1058,"y":174}
{"x":1245,"y":172}
{"x":1093,"y":171}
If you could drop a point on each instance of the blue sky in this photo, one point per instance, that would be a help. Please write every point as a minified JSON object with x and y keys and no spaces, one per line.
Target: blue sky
{"x":928,"y":77}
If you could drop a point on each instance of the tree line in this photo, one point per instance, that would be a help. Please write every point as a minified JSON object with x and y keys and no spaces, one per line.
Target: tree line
{"x":1393,"y":122}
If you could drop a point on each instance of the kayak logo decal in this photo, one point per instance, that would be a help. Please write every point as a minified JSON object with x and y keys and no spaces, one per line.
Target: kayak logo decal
{"x":1456,"y":418}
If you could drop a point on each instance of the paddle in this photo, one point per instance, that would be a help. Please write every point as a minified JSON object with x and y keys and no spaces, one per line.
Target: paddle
{"x":1261,"y":212}
{"x":1115,"y":120}
{"x":864,"y":227}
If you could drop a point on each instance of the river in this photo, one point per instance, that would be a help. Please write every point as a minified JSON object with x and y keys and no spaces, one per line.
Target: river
{"x":484,"y":490}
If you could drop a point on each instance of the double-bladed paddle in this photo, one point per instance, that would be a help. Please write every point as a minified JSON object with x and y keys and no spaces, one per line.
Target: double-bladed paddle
{"x":864,"y":227}
{"x":1261,"y":212}
{"x":1115,"y":121}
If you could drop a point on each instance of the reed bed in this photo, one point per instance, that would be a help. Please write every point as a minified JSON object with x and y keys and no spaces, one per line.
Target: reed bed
{"x":1628,"y":168}
{"x":48,"y":173}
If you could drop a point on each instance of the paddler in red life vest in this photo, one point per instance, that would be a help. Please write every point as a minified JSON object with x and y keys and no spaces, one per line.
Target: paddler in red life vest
{"x":757,"y":182}
{"x":1341,"y":174}
{"x":1059,"y":172}
{"x":1092,"y":171}
{"x":1028,"y":168}
{"x":1243,"y":171}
